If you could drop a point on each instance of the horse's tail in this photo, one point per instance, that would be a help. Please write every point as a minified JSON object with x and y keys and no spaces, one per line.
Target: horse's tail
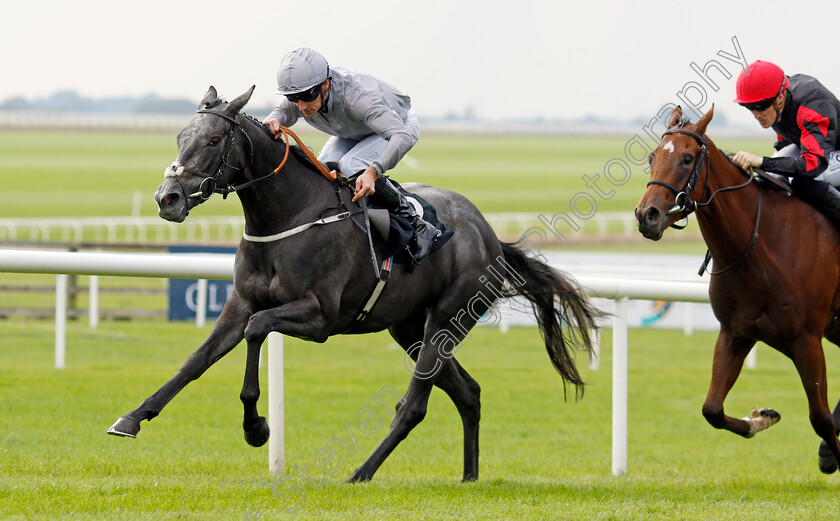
{"x":566,"y":319}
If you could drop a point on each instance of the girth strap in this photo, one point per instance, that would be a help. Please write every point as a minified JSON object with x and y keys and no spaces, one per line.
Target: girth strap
{"x":384,"y":277}
{"x":298,"y":229}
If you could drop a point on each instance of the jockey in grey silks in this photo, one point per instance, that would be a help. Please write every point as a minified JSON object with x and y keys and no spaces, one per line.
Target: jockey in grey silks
{"x":371,"y":123}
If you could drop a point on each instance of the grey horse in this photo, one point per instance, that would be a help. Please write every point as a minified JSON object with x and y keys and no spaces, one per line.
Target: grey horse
{"x":312,"y":284}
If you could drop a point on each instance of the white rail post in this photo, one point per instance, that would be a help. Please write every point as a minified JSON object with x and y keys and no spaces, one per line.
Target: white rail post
{"x":752,"y":358}
{"x":688,"y":324}
{"x":276,"y":421}
{"x":595,"y":359}
{"x":93,"y":301}
{"x":60,"y":320}
{"x":136,"y":203}
{"x":504,"y":321}
{"x":620,"y":381}
{"x":201,"y":303}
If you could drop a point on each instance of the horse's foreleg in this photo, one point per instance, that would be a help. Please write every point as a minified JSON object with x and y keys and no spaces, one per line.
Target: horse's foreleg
{"x":827,"y":461}
{"x":301,"y":318}
{"x":809,"y":360}
{"x":730,"y":353}
{"x":255,"y":426}
{"x":226,"y":334}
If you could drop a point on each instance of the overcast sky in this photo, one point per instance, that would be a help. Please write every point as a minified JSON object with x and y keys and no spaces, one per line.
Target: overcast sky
{"x":522,"y":58}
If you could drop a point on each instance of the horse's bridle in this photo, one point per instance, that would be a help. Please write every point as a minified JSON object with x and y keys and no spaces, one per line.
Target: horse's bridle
{"x":209,"y":183}
{"x":684,"y":203}
{"x":682,"y":198}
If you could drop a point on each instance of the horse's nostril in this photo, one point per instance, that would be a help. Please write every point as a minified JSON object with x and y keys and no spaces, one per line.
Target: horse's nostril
{"x":652,"y":216}
{"x":170,"y":199}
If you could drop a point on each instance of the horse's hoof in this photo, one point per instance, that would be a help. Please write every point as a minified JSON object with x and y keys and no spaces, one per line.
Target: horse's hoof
{"x":760,"y":419}
{"x":772,"y":414}
{"x":257,"y":434}
{"x":125,"y":427}
{"x":827,"y":462}
{"x":359,"y":477}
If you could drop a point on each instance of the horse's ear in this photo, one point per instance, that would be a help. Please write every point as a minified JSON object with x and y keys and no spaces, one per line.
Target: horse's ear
{"x":236,"y":105}
{"x":676,"y":117}
{"x":210,"y":98}
{"x":704,"y":121}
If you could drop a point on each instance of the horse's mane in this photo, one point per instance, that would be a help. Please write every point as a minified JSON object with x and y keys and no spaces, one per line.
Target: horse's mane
{"x":684,"y":120}
{"x":255,"y":121}
{"x":729,"y":156}
{"x":299,"y":154}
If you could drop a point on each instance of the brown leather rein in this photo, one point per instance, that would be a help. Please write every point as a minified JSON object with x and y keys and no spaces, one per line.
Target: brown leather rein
{"x":286,"y":132}
{"x":209,"y":186}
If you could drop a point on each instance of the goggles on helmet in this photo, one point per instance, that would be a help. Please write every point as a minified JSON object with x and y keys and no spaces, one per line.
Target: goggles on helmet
{"x":306,"y":96}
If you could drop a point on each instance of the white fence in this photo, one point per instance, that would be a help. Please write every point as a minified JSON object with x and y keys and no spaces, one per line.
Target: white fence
{"x":102,"y":122}
{"x":220,"y":266}
{"x":206,"y":230}
{"x":123,"y":230}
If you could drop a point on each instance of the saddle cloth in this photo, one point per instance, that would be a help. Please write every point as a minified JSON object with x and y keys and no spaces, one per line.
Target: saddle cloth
{"x":397,"y":232}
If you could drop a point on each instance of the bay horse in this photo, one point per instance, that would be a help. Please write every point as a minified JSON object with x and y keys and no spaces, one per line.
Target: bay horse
{"x":775,"y":277}
{"x":312,"y":284}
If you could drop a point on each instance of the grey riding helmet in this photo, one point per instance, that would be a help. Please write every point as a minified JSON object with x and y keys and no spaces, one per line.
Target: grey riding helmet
{"x":300,"y":70}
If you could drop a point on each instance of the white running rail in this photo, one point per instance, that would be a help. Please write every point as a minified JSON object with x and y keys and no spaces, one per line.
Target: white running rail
{"x":220,"y":266}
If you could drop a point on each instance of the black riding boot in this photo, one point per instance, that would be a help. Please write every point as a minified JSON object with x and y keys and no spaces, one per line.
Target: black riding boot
{"x":820,"y":194}
{"x":831,"y":199}
{"x":424,"y":233}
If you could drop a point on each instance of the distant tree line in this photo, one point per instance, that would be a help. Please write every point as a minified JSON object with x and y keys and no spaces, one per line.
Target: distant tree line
{"x":71,"y":101}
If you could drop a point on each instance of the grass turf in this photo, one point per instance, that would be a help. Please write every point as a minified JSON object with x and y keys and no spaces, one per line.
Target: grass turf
{"x":60,"y":174}
{"x":541,"y":457}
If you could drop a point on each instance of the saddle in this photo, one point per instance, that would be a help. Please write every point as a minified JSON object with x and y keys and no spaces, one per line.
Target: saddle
{"x":777,"y":182}
{"x":782,"y":185}
{"x":397,"y":232}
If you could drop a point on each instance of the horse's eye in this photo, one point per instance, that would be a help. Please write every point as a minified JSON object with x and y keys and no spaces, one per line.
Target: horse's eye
{"x":687,"y":159}
{"x":650,"y":159}
{"x":215,"y":141}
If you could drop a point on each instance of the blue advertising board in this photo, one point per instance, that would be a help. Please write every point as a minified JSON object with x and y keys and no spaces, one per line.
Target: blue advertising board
{"x":183,"y":293}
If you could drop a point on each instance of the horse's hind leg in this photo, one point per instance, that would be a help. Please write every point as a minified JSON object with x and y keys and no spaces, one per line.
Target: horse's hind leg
{"x":409,"y":414}
{"x":730,"y":353}
{"x":467,"y":398}
{"x":433,"y":357}
{"x":461,"y":388}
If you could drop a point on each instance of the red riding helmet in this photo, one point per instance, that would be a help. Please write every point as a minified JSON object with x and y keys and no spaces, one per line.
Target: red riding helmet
{"x":764,"y":80}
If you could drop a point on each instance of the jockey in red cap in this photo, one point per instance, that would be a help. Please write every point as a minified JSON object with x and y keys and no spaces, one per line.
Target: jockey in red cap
{"x":804,"y":115}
